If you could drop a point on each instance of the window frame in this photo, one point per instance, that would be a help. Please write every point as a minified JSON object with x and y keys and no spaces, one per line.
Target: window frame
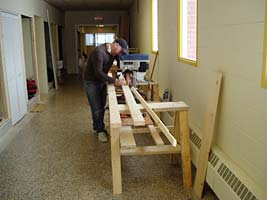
{"x":155,"y":38}
{"x":180,"y":39}
{"x":264,"y":63}
{"x":95,"y":35}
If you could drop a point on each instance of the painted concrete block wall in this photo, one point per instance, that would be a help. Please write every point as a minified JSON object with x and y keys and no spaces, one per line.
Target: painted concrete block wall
{"x":33,"y":7}
{"x":75,"y":18}
{"x":230,"y":40}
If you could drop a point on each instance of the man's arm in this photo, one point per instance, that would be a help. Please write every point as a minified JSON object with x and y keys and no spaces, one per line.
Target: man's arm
{"x":97,"y":61}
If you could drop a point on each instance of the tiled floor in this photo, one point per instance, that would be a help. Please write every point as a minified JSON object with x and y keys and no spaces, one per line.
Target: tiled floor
{"x":56,"y":155}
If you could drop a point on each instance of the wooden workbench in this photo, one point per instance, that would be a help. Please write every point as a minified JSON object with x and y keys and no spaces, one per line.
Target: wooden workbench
{"x":122,"y":136}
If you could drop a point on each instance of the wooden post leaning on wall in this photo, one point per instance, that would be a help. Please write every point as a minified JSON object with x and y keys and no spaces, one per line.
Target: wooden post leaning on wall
{"x":207,"y":135}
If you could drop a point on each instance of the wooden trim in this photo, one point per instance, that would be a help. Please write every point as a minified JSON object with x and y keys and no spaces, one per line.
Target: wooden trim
{"x":151,"y":150}
{"x":136,"y":114}
{"x":156,"y":119}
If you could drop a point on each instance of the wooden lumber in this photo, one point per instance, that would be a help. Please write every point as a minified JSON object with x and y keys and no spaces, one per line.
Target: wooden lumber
{"x":185,"y":144}
{"x":156,"y":119}
{"x":146,"y":130}
{"x":129,"y":121}
{"x":136,"y":114}
{"x":151,"y":150}
{"x":114,"y":114}
{"x":126,"y":137}
{"x":158,"y":106}
{"x":155,"y":135}
{"x":207,"y":135}
{"x":115,"y":160}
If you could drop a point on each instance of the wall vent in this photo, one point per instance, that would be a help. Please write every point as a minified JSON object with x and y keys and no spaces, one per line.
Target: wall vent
{"x":233,"y":182}
{"x":213,"y":159}
{"x":195,"y":139}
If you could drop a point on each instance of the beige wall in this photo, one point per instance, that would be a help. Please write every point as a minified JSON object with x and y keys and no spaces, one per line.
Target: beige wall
{"x":75,"y":18}
{"x":140,"y":31}
{"x":231,"y":41}
{"x":31,"y":8}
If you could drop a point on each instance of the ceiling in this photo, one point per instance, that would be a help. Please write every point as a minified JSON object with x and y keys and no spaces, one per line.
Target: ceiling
{"x":91,"y":4}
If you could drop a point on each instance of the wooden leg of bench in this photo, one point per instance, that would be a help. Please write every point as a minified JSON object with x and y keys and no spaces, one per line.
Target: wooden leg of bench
{"x":185,"y":143}
{"x":116,"y":160}
{"x":176,"y":134}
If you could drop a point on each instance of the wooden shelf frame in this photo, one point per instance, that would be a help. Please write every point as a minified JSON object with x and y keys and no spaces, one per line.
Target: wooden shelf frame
{"x":122,"y":137}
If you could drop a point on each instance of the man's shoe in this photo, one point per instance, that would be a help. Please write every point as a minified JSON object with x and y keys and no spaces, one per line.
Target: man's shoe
{"x":102,"y":137}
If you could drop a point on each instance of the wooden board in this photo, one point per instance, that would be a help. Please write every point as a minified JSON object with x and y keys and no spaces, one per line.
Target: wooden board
{"x":207,"y":135}
{"x":159,"y":106}
{"x":151,"y":150}
{"x":156,"y":119}
{"x":129,"y":121}
{"x":115,"y":160}
{"x":126,"y":137}
{"x":155,"y":135}
{"x":185,"y":144}
{"x":114,"y":114}
{"x":134,"y":110}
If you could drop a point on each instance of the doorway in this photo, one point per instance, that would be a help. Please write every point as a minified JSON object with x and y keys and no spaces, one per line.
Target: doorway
{"x":28,"y":55}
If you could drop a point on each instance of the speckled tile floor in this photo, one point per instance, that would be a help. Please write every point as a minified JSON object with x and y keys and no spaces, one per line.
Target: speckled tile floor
{"x":56,"y":155}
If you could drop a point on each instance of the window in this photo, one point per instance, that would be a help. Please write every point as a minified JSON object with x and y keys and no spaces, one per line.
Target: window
{"x":264,"y":66}
{"x":154,"y":26}
{"x":97,"y":39}
{"x":187,"y":29}
{"x":89,"y":39}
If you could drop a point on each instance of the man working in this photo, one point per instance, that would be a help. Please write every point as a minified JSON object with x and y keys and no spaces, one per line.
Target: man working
{"x":95,"y":79}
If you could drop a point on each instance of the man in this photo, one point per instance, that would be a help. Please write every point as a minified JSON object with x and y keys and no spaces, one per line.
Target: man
{"x":95,"y":79}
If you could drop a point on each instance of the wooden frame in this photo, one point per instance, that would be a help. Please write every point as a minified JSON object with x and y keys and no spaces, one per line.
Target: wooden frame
{"x":122,"y":138}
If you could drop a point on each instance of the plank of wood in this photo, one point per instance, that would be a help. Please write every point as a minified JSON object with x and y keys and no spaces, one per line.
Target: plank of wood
{"x":136,"y":114}
{"x":156,"y":119}
{"x":146,"y":130}
{"x":114,"y":114}
{"x":159,"y":106}
{"x":155,"y":135}
{"x":151,"y":150}
{"x":177,"y":134}
{"x":128,"y":121}
{"x":185,"y":144}
{"x":115,"y":160}
{"x":207,"y":134}
{"x":126,"y":137}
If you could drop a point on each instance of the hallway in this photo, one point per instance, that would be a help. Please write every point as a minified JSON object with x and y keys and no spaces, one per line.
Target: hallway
{"x":56,"y":155}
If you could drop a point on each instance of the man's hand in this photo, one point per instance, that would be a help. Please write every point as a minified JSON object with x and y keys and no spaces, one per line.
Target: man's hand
{"x":120,"y":82}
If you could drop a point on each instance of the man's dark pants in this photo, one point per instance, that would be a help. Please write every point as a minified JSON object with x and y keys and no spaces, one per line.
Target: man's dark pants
{"x":96,"y":94}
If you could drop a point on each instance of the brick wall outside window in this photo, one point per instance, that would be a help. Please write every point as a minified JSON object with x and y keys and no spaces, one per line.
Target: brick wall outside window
{"x":191,"y":28}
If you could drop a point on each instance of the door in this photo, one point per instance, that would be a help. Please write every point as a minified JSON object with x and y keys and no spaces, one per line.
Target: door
{"x":14,"y":67}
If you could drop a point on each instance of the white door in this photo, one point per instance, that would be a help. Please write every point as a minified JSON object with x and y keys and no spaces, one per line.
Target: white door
{"x":12,"y":44}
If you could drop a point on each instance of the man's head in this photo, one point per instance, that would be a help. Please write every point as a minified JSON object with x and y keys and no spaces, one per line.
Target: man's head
{"x":119,"y":47}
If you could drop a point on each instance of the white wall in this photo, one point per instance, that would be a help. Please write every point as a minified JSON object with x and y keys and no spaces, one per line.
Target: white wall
{"x":73,"y":18}
{"x":230,"y":40}
{"x":33,"y":7}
